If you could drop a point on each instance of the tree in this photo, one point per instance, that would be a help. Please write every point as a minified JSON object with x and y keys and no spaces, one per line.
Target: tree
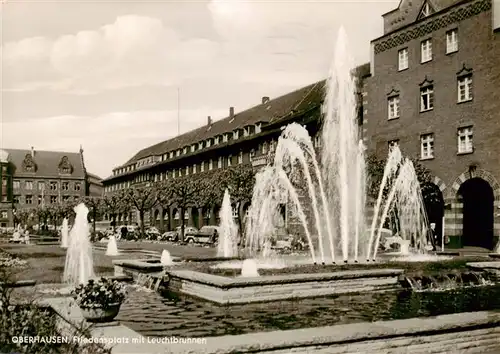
{"x":143,"y":199}
{"x":375,"y":170}
{"x":184,"y":192}
{"x":22,"y":216}
{"x":94,"y":204}
{"x":240,"y":181}
{"x":113,"y":205}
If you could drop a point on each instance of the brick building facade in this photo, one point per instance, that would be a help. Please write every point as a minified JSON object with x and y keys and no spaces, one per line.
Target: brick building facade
{"x":32,"y":178}
{"x":435,"y":91}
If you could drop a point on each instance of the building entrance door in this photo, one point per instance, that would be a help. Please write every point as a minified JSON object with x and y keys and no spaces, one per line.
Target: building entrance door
{"x":478,"y":211}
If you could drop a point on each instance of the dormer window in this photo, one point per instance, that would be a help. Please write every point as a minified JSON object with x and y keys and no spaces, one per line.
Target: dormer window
{"x":264,"y":148}
{"x":65,"y":166}
{"x":224,"y":138}
{"x":236,"y":134}
{"x":246,"y":131}
{"x":193,"y":148}
{"x":208,"y":143}
{"x":171,"y":154}
{"x":425,"y":11}
{"x":28,"y":164}
{"x":258,"y":128}
{"x":185,"y":150}
{"x":216,"y":140}
{"x":200,"y":145}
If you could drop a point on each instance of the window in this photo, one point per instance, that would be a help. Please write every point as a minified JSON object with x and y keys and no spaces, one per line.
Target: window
{"x":178,"y":152}
{"x":53,"y":186}
{"x":403,"y":59}
{"x":41,"y":186}
{"x":65,"y":186}
{"x":216,"y":140}
{"x":171,"y":154}
{"x":194,"y":169}
{"x":225,"y":138}
{"x":252,"y":154}
{"x":264,"y":148}
{"x":3,"y":214}
{"x":16,"y":184}
{"x":78,"y":186}
{"x":4,"y":182}
{"x":229,"y":160}
{"x":427,"y":146}
{"x":272,"y":146}
{"x":219,"y":162}
{"x":465,"y":88}
{"x":393,"y":143}
{"x":202,"y":167}
{"x":452,"y":41}
{"x":65,"y":198}
{"x":16,"y":199}
{"x":465,"y":140}
{"x":53,"y":199}
{"x":193,"y":148}
{"x":426,"y":98}
{"x":426,"y":51}
{"x":393,"y":107}
{"x":210,"y":164}
{"x":426,"y":10}
{"x":29,"y":185}
{"x":29,"y":199}
{"x":240,"y":157}
{"x":187,"y":170}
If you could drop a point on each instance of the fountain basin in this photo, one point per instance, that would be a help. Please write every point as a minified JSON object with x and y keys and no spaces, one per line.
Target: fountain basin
{"x":225,"y":290}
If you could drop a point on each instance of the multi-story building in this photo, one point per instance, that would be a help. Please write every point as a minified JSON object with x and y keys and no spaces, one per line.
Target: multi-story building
{"x":31,"y":178}
{"x":435,"y":91}
{"x":94,"y":186}
{"x":248,"y":137}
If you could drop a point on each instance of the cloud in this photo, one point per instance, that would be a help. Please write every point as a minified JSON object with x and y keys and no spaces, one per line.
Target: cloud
{"x":132,"y":51}
{"x":108,"y":140}
{"x":254,"y":41}
{"x":291,"y":41}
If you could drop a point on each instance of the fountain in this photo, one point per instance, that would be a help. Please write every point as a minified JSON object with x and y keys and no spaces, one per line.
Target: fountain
{"x":64,"y":233}
{"x":79,"y":266}
{"x":228,"y":244}
{"x":166,"y":258}
{"x":249,"y":268}
{"x":112,"y":249}
{"x":334,"y":192}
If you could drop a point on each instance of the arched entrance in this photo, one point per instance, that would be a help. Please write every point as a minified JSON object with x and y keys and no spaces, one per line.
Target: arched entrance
{"x":478,"y":198}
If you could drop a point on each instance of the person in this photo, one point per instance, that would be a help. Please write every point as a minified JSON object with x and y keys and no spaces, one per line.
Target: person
{"x":124,"y":231}
{"x":27,"y":237}
{"x":433,"y":236}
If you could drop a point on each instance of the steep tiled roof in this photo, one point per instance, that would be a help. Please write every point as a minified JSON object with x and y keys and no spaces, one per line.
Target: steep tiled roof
{"x":47,"y":162}
{"x":265,"y":113}
{"x":274,"y":110}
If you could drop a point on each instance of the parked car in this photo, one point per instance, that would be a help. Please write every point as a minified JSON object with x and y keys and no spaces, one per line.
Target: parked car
{"x":172,"y":236}
{"x":206,"y":235}
{"x":152,"y":233}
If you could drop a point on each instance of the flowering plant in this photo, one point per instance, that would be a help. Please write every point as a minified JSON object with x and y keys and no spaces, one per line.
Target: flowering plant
{"x":101,"y":293}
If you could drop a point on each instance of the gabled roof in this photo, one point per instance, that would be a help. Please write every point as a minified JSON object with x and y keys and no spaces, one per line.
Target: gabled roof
{"x":47,"y":163}
{"x":274,"y":110}
{"x":263,"y":113}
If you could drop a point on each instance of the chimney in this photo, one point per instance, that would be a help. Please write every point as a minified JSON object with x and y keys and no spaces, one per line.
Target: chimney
{"x":265,"y":99}
{"x":231,"y":112}
{"x":32,"y":151}
{"x":209,"y":120}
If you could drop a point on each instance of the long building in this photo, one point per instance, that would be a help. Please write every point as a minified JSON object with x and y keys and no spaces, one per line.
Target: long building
{"x":31,"y":178}
{"x":435,"y":91}
{"x":247,"y":137}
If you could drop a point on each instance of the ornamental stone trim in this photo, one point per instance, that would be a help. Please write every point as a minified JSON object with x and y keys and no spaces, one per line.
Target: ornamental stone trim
{"x":434,"y":24}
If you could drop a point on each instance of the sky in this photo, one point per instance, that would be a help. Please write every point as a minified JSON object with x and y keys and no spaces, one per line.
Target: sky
{"x":118,"y":76}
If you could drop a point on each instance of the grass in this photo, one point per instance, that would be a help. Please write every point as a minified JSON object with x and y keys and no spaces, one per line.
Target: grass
{"x":46,"y":262}
{"x":411,"y":268}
